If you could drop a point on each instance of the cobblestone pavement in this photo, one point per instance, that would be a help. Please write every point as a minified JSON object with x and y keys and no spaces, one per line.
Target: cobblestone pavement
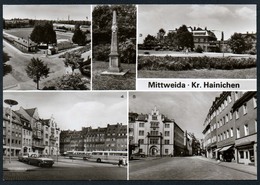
{"x":183,"y":168}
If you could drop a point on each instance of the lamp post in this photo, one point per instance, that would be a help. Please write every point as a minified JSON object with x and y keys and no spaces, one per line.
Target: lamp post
{"x":10,"y":103}
{"x":222,"y":39}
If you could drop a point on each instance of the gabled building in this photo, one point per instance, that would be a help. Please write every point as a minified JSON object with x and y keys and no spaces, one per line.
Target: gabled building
{"x":157,"y":135}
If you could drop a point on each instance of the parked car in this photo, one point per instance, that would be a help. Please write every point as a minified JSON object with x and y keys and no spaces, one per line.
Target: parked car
{"x":137,"y":155}
{"x":23,"y":157}
{"x":41,"y":161}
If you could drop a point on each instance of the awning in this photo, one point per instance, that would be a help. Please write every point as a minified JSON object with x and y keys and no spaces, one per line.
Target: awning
{"x":217,"y":150}
{"x":245,"y":143}
{"x":226,"y":148}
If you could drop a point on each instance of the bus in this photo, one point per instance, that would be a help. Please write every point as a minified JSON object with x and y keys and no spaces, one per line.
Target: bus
{"x":78,"y":154}
{"x":108,"y":156}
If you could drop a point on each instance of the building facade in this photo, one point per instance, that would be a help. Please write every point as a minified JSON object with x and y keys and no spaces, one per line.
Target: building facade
{"x":110,"y":138}
{"x":155,"y":135}
{"x":230,"y":128}
{"x":35,"y":134}
{"x":12,"y":133}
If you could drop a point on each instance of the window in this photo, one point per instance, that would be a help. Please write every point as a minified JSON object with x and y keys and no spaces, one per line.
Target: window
{"x":167,"y":125}
{"x":245,"y":108}
{"x":46,"y":135}
{"x":238,"y":133}
{"x":255,"y":125}
{"x":141,"y":141}
{"x":237,"y":114}
{"x":166,"y":151}
{"x":226,"y":103}
{"x":220,"y":122}
{"x":226,"y":118}
{"x":222,"y":106}
{"x":218,"y":138}
{"x":167,"y":133}
{"x":254,"y":102}
{"x":236,"y":96}
{"x":224,"y":135}
{"x":246,"y":130}
{"x":154,"y":124}
{"x":227,"y":134}
{"x":221,"y":137}
{"x":141,"y":132}
{"x":141,"y":124}
{"x":154,"y":133}
{"x":154,"y":117}
{"x":229,"y":99}
{"x":153,"y":141}
{"x":166,"y":141}
{"x":230,"y":115}
{"x":231,"y":132}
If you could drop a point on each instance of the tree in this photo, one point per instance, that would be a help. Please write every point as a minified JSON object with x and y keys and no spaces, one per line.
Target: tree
{"x":79,"y":37}
{"x":7,"y":68}
{"x":184,"y":38}
{"x":170,"y":39}
{"x":238,"y":44}
{"x":72,"y":82}
{"x":150,"y":41}
{"x":73,"y":60}
{"x":37,"y":70}
{"x":43,"y":33}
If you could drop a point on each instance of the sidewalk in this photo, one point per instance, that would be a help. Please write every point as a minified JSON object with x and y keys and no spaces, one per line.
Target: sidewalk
{"x":16,"y":165}
{"x":239,"y":167}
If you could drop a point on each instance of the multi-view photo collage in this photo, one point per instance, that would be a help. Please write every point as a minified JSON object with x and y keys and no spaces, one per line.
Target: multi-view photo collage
{"x":129,"y":92}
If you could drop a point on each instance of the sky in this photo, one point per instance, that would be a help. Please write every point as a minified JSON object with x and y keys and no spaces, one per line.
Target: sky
{"x":227,"y":18}
{"x":73,"y":110}
{"x":188,"y":109}
{"x":48,"y":12}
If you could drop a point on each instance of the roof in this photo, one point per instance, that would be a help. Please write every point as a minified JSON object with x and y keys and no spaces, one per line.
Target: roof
{"x":46,"y":122}
{"x":30,"y":111}
{"x":15,"y":117}
{"x":25,"y":42}
{"x":142,"y":117}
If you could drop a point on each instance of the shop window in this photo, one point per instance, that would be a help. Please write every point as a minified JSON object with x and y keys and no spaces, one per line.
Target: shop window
{"x":241,"y":153}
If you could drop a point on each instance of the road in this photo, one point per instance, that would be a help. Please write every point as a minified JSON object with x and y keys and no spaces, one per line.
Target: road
{"x":18,"y":79}
{"x":183,"y":168}
{"x":71,"y":170}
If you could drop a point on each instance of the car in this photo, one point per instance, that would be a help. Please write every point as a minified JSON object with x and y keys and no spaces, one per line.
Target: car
{"x":41,"y":161}
{"x":137,"y":155}
{"x":23,"y":157}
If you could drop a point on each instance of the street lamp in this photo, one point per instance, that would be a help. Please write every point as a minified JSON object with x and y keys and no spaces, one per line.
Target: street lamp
{"x":222,"y":38}
{"x":10,"y":103}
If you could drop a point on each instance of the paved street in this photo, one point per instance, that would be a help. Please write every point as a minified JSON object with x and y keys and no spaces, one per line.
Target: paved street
{"x":68,"y":169}
{"x":183,"y":168}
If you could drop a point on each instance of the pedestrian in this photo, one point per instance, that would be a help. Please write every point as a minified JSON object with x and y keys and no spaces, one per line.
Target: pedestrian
{"x":120,"y":162}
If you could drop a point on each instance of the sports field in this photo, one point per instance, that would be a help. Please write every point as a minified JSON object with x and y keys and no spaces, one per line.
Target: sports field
{"x":25,"y":33}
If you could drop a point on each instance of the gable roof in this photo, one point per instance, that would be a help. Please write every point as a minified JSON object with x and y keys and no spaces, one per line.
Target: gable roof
{"x":30,"y":111}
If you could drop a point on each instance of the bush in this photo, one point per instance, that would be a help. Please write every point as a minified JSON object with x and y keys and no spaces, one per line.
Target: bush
{"x":199,"y":49}
{"x":187,"y":63}
{"x":127,"y":52}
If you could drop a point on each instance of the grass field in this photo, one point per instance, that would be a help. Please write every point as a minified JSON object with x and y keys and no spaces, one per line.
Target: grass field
{"x":219,"y":74}
{"x":25,"y":33}
{"x":99,"y":82}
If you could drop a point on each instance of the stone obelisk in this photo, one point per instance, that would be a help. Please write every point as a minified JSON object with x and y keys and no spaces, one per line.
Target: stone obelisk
{"x":114,"y":60}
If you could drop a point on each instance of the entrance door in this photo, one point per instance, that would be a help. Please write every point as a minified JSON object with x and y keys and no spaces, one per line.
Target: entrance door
{"x":153,"y":151}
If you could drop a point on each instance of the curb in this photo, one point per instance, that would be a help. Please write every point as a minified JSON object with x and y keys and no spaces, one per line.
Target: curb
{"x":16,"y":169}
